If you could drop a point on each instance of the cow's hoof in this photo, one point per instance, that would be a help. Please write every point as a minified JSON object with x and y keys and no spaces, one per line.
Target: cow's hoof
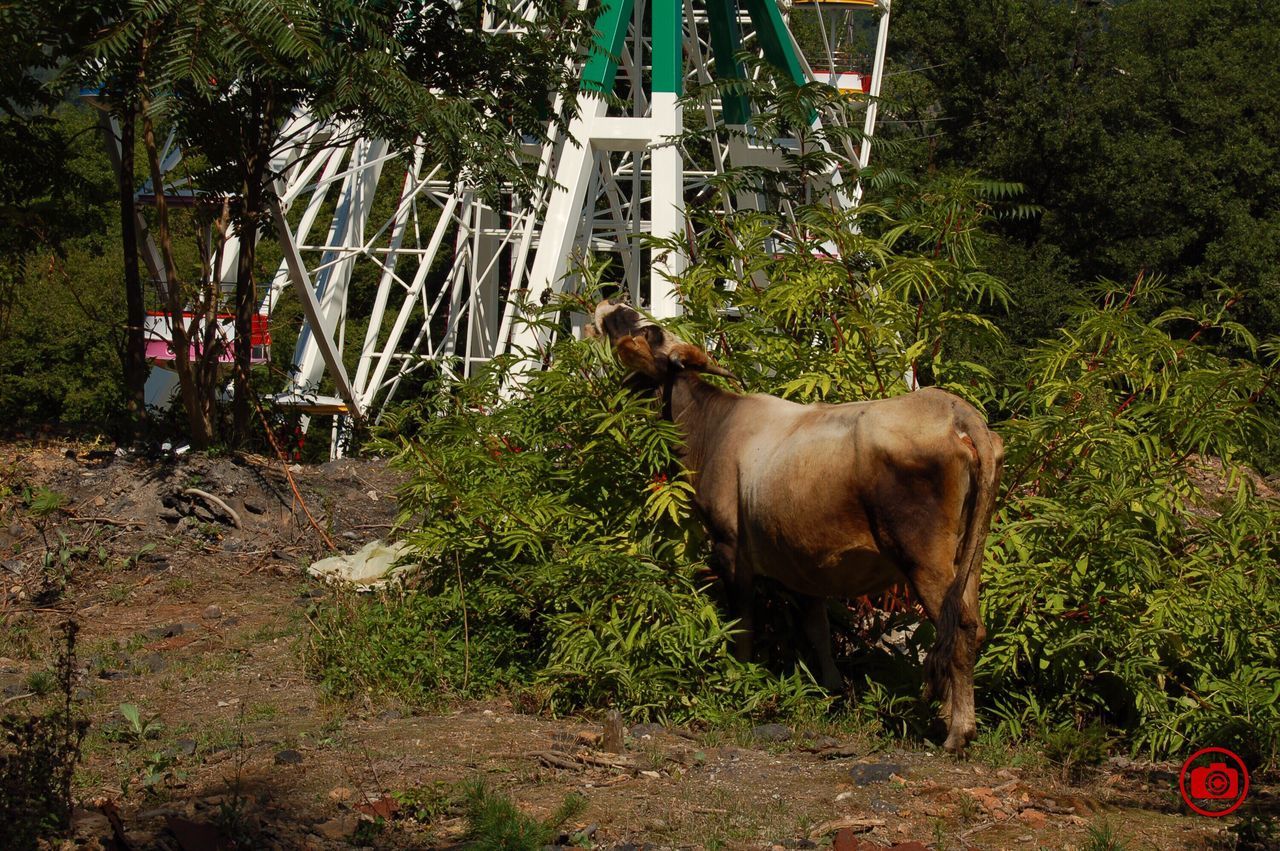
{"x":957,"y":741}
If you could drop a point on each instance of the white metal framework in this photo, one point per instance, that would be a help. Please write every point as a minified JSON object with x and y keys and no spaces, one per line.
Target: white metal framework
{"x":397,"y":271}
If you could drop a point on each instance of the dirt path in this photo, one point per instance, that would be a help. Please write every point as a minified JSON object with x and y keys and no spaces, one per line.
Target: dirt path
{"x":201,"y":625}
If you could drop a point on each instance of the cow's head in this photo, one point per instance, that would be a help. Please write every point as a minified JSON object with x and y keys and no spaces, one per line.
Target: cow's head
{"x":649,"y":349}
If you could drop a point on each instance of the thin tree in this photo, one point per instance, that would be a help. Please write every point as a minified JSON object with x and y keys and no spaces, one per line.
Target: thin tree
{"x":228,"y":73}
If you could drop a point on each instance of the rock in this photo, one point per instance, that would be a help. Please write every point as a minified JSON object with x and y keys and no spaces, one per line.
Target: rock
{"x":771,"y":733}
{"x":14,"y":566}
{"x":846,"y":840}
{"x":213,"y":612}
{"x":100,"y":501}
{"x":1033,"y":818}
{"x":169,"y":515}
{"x":171,"y":631}
{"x":85,"y":821}
{"x":233,"y":545}
{"x":645,"y":731}
{"x":652,"y":775}
{"x":288,"y":757}
{"x":881,"y":806}
{"x":338,"y":829}
{"x":822,"y":743}
{"x":340,"y":794}
{"x":844,"y":796}
{"x":154,"y":662}
{"x":867,"y":773}
{"x":185,"y":747}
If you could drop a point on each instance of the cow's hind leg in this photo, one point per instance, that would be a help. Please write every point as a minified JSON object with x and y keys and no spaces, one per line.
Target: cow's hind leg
{"x":949,"y":666}
{"x":817,"y":627}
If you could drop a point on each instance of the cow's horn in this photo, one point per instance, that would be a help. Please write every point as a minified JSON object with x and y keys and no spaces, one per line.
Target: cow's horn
{"x":716,"y":369}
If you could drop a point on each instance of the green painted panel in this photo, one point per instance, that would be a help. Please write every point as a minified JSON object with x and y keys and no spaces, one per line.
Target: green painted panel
{"x":668,"y":45}
{"x":611,"y":36}
{"x":726,"y":41}
{"x":774,"y":38}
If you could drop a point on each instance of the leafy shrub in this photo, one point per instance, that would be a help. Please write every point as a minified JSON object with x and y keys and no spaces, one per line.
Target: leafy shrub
{"x":1121,"y":586}
{"x":38,"y":755}
{"x":1123,"y":591}
{"x":552,"y":555}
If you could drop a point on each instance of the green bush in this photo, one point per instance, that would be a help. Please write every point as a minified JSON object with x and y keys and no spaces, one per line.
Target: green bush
{"x":555,"y":561}
{"x":1121,"y":585}
{"x":1127,"y":597}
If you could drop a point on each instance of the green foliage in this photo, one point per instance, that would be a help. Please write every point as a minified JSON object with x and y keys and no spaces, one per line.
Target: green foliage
{"x":549,"y":557}
{"x":1072,"y":750}
{"x":38,"y":755}
{"x":495,"y":823}
{"x":1144,"y":129}
{"x":139,"y":728}
{"x":1102,"y":837}
{"x":44,"y":502}
{"x":1132,"y":577}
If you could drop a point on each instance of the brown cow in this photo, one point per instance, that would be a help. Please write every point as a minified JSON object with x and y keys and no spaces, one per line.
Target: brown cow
{"x":834,"y":500}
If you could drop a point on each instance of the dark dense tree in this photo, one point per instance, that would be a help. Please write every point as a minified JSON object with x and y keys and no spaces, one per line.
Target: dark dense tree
{"x":1147,"y":132}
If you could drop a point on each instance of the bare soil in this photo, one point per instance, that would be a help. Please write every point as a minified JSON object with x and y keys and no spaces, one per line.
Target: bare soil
{"x":202,"y":626}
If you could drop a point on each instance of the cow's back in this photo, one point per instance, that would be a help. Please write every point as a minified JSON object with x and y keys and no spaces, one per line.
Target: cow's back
{"x":802,"y":478}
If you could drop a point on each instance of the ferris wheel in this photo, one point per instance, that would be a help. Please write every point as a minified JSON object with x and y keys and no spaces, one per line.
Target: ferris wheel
{"x":396,"y":273}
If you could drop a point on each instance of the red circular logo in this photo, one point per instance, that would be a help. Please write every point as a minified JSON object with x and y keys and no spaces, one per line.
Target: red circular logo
{"x":1219,"y":782}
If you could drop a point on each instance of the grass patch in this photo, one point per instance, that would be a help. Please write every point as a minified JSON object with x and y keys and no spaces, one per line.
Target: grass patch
{"x":495,"y":823}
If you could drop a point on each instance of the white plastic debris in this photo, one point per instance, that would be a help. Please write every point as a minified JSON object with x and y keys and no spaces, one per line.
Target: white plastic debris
{"x":372,"y":566}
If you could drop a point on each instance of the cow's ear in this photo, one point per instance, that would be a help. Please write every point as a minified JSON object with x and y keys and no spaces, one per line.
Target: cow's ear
{"x":634,"y":352}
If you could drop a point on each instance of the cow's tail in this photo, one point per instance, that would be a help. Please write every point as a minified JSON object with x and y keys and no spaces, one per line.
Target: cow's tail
{"x":987,"y":462}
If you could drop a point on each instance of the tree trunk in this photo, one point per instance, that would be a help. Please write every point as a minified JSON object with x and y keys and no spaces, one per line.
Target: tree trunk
{"x":135,"y":348}
{"x":199,"y":419}
{"x":257,"y":150}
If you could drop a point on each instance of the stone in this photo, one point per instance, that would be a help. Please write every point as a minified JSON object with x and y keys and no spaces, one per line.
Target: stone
{"x":338,"y":829}
{"x":645,"y":731}
{"x":185,"y":747}
{"x":289,"y":757}
{"x":771,"y":733}
{"x":154,"y":662}
{"x":213,"y":612}
{"x":867,"y":773}
{"x":1033,"y":818}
